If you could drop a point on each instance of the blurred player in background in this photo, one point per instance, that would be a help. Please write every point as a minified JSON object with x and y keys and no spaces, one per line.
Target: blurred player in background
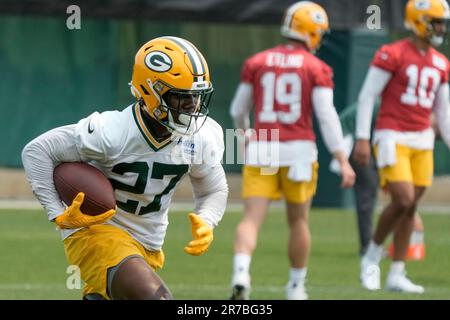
{"x":284,"y":85}
{"x":411,"y":78}
{"x":366,"y":189}
{"x":145,"y":150}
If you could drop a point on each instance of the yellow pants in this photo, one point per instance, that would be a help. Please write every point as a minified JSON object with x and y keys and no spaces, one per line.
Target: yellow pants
{"x":97,"y":248}
{"x":273,"y":186}
{"x":413,"y":165}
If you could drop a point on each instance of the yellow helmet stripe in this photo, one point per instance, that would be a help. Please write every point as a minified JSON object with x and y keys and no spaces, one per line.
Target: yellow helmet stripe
{"x":446,"y":8}
{"x":194,"y":56}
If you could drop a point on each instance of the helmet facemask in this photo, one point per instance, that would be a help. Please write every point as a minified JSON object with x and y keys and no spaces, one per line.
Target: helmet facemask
{"x":437,"y":31}
{"x":185,"y":110}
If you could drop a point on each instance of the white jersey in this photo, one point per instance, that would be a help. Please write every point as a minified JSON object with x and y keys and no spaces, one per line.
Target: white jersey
{"x":144,"y":172}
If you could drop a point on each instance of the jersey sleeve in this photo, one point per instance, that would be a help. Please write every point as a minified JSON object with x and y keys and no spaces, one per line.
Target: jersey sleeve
{"x":99,"y":136}
{"x":322,"y":76}
{"x":212,"y":149}
{"x":386,"y":58}
{"x":241,"y":105}
{"x":248,"y":70}
{"x":445,"y":76}
{"x":40,"y":156}
{"x":208,"y":179}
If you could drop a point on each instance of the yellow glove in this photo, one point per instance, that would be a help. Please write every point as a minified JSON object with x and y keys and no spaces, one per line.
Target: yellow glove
{"x":73,"y":217}
{"x":202,"y":234}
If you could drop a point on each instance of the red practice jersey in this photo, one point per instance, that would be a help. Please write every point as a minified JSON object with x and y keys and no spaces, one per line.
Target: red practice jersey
{"x":408,"y":98}
{"x":283,"y":78}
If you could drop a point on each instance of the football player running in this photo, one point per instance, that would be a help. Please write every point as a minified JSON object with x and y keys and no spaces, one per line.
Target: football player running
{"x":412,"y":79}
{"x":144,"y":150}
{"x":284,"y":85}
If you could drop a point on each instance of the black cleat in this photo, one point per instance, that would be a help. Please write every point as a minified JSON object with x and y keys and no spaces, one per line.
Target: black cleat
{"x":239,"y":293}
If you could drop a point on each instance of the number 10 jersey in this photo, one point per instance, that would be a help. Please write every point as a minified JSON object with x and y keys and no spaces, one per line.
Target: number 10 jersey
{"x":408,"y":98}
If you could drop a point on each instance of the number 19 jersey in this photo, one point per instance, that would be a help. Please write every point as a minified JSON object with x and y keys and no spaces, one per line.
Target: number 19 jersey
{"x":283,"y":78}
{"x":408,"y":98}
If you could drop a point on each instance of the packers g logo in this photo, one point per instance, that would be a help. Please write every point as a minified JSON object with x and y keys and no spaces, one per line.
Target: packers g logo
{"x":158,"y":61}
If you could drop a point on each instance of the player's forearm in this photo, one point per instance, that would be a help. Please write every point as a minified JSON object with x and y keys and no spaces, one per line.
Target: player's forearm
{"x":210,"y":195}
{"x":373,"y":86}
{"x":39,"y":158}
{"x":328,"y":119}
{"x":340,"y":157}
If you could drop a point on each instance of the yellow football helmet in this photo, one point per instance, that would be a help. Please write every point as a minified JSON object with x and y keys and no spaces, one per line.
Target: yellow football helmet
{"x":167,"y":71}
{"x":419,"y":15}
{"x":305,"y":21}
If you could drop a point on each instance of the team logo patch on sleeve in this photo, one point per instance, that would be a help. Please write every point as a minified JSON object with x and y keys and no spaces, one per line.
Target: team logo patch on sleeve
{"x":158,"y":61}
{"x":384,"y":56}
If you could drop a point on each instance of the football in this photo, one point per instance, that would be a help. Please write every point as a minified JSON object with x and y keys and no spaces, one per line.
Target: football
{"x":70,"y":178}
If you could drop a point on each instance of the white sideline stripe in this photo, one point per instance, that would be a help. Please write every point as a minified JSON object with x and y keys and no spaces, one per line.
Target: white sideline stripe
{"x":19,"y":204}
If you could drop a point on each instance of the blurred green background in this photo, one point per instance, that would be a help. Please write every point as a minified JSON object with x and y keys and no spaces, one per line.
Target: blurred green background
{"x":52,"y":76}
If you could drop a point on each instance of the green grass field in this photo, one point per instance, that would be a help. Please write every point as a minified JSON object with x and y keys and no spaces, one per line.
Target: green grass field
{"x":33,"y":265}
